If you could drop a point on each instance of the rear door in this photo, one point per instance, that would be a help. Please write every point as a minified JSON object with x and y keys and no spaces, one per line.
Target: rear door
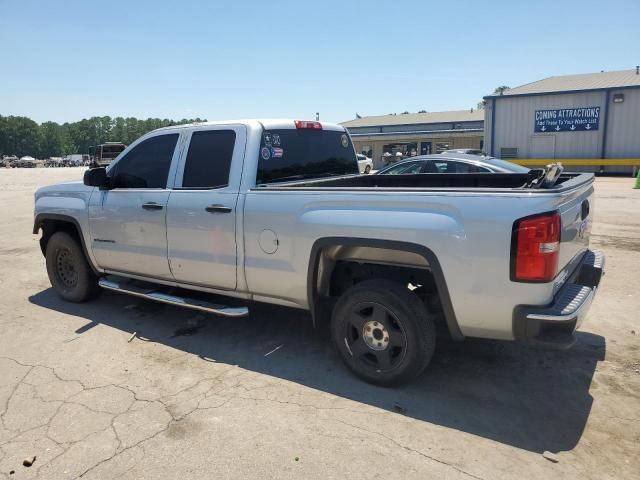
{"x":201,"y":213}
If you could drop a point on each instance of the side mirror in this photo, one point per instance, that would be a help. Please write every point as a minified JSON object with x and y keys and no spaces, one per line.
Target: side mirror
{"x":96,"y":177}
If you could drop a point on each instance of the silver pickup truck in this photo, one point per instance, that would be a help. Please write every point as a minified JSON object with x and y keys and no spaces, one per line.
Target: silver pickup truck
{"x":276,"y":211}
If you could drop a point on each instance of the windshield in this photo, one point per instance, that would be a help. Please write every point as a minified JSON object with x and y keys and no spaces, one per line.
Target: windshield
{"x":289,"y":154}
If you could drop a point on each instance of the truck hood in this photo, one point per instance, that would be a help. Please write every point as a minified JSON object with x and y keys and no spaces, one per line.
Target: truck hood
{"x":64,"y":189}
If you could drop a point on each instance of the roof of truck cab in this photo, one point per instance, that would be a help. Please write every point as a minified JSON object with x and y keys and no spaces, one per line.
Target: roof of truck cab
{"x":267,"y":123}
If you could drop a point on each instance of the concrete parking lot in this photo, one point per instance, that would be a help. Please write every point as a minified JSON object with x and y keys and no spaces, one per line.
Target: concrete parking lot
{"x":194,"y":396}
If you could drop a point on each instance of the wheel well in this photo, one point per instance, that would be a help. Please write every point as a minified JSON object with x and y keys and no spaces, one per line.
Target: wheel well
{"x":347,"y":273}
{"x":50,"y":226}
{"x":335,"y":267}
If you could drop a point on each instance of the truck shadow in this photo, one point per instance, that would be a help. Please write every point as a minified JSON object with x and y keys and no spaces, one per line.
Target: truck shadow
{"x":528,"y":399}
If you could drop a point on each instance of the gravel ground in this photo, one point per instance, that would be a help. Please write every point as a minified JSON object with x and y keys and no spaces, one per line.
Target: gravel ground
{"x":212,"y":402}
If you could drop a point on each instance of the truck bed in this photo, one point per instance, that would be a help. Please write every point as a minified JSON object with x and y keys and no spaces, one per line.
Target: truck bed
{"x":491,"y":181}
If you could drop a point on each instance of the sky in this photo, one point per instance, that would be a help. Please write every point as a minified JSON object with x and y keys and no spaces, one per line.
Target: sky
{"x":67,"y":60}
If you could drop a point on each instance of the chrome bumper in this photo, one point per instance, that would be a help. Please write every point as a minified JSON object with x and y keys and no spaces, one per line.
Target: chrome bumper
{"x":554,"y":325}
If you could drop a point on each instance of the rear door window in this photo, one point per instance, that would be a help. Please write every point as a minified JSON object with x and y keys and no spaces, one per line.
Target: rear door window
{"x":209,"y":159}
{"x":291,"y":154}
{"x":146,"y":165}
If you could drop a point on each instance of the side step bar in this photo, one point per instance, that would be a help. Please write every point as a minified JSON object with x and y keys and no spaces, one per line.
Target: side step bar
{"x":151,"y":294}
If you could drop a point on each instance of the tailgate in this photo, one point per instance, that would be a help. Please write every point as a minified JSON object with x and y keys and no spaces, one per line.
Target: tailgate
{"x":576,"y":216}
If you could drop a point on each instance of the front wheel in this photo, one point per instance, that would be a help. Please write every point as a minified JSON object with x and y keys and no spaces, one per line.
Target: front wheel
{"x":69,"y":272}
{"x":367,"y":169}
{"x":383,"y":332}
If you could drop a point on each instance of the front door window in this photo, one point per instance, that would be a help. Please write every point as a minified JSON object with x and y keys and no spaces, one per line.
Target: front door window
{"x":146,"y":165}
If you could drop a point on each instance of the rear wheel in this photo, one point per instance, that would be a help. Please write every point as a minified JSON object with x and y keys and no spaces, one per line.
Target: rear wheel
{"x":68,"y":269}
{"x":383,"y":332}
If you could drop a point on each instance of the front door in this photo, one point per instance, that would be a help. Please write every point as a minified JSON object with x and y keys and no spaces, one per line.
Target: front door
{"x":201,"y":214}
{"x":128,"y":221}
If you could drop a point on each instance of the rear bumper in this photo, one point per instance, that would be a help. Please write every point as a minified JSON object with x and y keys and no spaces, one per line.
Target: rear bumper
{"x":553,"y":326}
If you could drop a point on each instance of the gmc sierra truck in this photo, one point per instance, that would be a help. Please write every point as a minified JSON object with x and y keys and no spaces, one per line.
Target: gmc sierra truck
{"x":276,"y":211}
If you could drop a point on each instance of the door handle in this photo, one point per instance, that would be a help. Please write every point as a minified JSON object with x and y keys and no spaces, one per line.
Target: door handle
{"x":152,"y":206}
{"x":218,"y":209}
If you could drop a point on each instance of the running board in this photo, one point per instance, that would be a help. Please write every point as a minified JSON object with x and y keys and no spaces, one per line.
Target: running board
{"x":153,"y":294}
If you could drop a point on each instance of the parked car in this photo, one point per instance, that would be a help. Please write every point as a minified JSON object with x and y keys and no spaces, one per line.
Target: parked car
{"x":54,"y":162}
{"x":468,"y":151}
{"x":365,"y":164}
{"x":9,"y":161}
{"x":276,"y":211}
{"x":452,"y":163}
{"x":26,"y":162}
{"x":75,"y":160}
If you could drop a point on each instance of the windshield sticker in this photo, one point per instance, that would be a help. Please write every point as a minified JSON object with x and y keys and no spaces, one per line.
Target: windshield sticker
{"x":276,"y":140}
{"x":344,"y":140}
{"x":265,"y":153}
{"x":267,"y":139}
{"x":276,"y":152}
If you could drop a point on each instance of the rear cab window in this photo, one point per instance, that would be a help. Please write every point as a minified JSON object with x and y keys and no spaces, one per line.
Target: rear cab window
{"x":288,"y":154}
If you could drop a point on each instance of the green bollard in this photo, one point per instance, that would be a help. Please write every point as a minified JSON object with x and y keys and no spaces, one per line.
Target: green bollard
{"x":638,"y":180}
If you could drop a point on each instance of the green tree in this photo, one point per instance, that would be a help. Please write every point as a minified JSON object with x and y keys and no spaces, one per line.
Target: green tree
{"x":51,"y":140}
{"x":118,"y":131}
{"x":22,"y":136}
{"x":103,"y":126}
{"x":497,"y":91}
{"x":19,"y":136}
{"x":4,"y":149}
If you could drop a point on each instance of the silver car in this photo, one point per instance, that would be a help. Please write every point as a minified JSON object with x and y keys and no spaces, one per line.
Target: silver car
{"x":452,"y":163}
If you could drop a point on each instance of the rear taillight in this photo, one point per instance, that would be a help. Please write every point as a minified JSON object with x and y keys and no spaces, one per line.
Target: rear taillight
{"x":308,"y":125}
{"x":535,"y":246}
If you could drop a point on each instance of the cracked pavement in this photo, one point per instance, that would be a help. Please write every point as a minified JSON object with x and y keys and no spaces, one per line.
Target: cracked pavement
{"x":89,"y":404}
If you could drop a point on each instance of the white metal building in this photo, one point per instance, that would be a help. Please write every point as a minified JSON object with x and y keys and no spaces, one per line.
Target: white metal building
{"x":593,"y":119}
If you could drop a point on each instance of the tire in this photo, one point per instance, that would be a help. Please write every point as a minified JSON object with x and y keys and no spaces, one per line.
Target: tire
{"x":383,"y":332}
{"x":69,"y":272}
{"x":367,"y":169}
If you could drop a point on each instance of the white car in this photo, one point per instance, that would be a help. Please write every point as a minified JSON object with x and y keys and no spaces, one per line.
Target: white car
{"x":365,"y":164}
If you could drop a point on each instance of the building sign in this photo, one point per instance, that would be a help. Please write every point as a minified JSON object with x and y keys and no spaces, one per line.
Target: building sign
{"x":567,"y":119}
